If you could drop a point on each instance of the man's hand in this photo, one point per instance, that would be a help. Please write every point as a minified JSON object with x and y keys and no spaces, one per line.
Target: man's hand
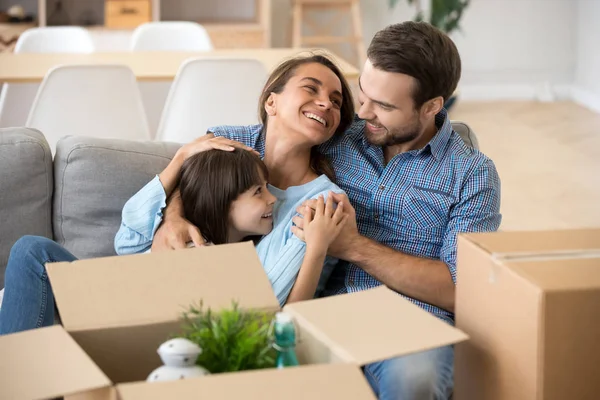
{"x":210,"y":142}
{"x":346,"y":241}
{"x":175,"y":233}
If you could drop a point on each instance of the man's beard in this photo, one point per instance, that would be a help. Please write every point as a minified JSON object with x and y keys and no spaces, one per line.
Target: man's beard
{"x":395,"y":136}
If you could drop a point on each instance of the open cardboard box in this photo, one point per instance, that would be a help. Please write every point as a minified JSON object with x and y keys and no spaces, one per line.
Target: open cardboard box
{"x":116,"y":311}
{"x":529,"y":302}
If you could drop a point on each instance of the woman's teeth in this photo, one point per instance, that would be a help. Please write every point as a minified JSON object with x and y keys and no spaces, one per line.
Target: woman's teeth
{"x":269,"y":215}
{"x":316,"y":118}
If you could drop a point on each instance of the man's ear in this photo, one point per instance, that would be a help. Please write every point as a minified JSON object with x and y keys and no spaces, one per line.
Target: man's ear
{"x":271,"y":104}
{"x":432,"y":107}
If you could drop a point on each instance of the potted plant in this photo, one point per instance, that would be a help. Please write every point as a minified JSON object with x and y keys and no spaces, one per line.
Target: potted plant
{"x":445,"y":15}
{"x":232,"y":339}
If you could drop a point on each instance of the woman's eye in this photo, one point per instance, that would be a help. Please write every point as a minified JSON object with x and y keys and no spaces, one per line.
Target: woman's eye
{"x":337,"y":102}
{"x":311,"y":89}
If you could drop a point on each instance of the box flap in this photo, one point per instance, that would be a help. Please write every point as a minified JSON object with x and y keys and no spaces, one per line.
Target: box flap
{"x":561,"y":274}
{"x":45,"y":363}
{"x":157,"y":287}
{"x":372,"y":325}
{"x":340,"y":381}
{"x":537,"y":242}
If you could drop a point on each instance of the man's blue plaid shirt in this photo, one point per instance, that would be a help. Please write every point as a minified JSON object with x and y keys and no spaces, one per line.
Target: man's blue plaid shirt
{"x":415,"y":204}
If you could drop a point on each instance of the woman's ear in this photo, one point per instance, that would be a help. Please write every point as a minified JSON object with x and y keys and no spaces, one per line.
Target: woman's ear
{"x":271,"y":105}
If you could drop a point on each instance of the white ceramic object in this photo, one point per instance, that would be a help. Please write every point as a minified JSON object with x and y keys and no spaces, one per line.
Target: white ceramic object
{"x":179,"y":356}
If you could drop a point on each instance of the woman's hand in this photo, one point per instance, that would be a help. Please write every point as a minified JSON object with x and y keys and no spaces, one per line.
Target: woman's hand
{"x":322,"y":225}
{"x":210,"y":142}
{"x":176,"y":233}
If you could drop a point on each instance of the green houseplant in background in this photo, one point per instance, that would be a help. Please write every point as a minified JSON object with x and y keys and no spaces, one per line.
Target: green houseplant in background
{"x":231,"y":339}
{"x":443,"y":14}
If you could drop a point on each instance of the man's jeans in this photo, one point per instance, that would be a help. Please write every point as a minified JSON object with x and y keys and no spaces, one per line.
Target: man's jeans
{"x":28,"y":300}
{"x":426,"y":375}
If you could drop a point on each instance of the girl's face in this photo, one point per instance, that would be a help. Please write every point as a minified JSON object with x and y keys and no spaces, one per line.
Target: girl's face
{"x":309,"y":105}
{"x":251,"y":213}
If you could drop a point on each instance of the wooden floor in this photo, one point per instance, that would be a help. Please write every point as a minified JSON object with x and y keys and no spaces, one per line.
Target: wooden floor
{"x":548,"y":158}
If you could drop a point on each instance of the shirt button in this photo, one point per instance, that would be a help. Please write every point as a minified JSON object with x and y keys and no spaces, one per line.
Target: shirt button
{"x":376,"y":216}
{"x":351,"y":282}
{"x":381,"y":187}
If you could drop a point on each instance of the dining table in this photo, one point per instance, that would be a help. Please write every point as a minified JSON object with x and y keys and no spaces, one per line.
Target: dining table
{"x":149,"y":65}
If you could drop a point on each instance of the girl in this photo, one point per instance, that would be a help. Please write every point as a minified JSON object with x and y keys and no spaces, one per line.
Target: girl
{"x":225,"y":194}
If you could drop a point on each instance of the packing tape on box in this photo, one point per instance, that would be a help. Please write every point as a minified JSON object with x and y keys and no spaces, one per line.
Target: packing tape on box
{"x":527,"y":256}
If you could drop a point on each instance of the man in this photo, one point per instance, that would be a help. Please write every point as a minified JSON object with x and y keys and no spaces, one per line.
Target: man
{"x":414,"y":185}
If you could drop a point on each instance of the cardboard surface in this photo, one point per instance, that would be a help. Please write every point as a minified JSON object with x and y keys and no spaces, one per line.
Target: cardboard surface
{"x":128,"y":353}
{"x":45,"y":363}
{"x":372,"y":325}
{"x":340,"y":381}
{"x":536,"y":242}
{"x":560,"y":275}
{"x":157,"y":287}
{"x":529,"y":303}
{"x":120,"y":309}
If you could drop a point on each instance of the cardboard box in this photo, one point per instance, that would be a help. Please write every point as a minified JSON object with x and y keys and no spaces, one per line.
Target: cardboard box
{"x":116,"y":311}
{"x":530,"y":303}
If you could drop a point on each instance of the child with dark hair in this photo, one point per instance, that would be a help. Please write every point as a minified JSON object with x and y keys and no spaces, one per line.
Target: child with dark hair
{"x":225,"y":194}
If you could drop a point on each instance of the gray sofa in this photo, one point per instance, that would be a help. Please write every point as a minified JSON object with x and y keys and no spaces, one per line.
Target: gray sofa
{"x":75,"y":199}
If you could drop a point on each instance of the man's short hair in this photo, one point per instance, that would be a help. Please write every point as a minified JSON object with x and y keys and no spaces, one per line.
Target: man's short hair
{"x":420,"y":50}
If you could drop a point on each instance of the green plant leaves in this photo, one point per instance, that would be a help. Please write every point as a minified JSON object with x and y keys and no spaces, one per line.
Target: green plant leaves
{"x":445,"y":14}
{"x":231,"y":339}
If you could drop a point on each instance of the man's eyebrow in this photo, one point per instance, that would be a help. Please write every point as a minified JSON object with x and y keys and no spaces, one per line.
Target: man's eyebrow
{"x":318,"y":82}
{"x":381,"y":103}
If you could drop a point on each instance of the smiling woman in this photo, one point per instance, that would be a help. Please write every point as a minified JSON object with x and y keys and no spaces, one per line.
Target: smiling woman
{"x":305,"y":103}
{"x":299,"y":90}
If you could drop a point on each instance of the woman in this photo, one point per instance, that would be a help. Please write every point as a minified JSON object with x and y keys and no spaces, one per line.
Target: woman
{"x":306,"y":102}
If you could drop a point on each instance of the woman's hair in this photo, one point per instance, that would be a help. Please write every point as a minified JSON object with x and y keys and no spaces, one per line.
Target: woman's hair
{"x":276,"y":83}
{"x":211,"y":181}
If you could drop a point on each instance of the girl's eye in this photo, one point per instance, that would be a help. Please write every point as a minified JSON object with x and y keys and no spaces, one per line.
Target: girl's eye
{"x":258,"y":191}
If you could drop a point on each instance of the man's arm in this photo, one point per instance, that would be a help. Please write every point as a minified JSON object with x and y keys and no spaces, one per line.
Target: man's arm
{"x":417,"y":277}
{"x":431,"y":281}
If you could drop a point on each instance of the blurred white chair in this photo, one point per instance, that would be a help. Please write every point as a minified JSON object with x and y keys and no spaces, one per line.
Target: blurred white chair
{"x":211,"y":91}
{"x":89,"y":100}
{"x":170,"y":36}
{"x":165,"y":36}
{"x":16,"y":99}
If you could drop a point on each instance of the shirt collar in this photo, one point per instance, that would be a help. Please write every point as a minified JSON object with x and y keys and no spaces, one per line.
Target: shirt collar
{"x":437,"y":145}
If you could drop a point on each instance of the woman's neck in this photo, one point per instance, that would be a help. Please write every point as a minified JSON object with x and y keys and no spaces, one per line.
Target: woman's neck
{"x":288,"y":161}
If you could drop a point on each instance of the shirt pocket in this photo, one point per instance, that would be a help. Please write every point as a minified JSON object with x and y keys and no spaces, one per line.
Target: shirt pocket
{"x":426,"y":208}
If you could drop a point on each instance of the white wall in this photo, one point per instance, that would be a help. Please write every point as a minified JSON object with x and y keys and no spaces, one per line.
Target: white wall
{"x":586,"y":89}
{"x":509,"y":48}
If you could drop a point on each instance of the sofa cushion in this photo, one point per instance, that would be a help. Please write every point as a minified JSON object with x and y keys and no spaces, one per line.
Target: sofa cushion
{"x":94,"y":178}
{"x":25,"y":188}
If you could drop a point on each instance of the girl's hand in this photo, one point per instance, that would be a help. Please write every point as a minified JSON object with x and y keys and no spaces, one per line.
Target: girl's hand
{"x":209,"y":142}
{"x":322,"y":226}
